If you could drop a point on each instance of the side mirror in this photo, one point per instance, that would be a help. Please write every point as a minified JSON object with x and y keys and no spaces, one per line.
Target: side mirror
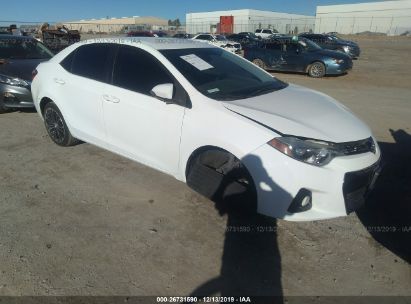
{"x":163,"y":92}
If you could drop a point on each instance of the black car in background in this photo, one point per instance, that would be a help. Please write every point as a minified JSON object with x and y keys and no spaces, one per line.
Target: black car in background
{"x":183,"y":36}
{"x":244,"y":38}
{"x":19,"y":56}
{"x":297,"y":54}
{"x":332,"y":42}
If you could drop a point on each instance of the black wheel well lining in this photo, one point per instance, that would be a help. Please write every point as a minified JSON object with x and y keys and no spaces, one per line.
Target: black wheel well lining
{"x":204,"y":149}
{"x":44,"y":101}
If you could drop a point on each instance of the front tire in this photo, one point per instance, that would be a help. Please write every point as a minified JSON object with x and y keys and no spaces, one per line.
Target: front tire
{"x":56,"y":126}
{"x":316,"y":70}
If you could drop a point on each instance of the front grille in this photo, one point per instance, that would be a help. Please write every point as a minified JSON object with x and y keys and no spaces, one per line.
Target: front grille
{"x":357,"y":185}
{"x":357,"y":147}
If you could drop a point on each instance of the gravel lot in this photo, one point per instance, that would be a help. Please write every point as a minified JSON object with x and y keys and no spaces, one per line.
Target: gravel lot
{"x":83,"y":221}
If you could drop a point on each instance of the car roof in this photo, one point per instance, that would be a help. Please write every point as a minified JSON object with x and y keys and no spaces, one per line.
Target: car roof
{"x":156,"y":43}
{"x":16,"y":37}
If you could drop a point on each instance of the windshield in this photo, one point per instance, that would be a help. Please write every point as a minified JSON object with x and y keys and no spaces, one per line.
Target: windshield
{"x":220,"y":75}
{"x":16,"y":48}
{"x":220,"y":38}
{"x":308,"y":45}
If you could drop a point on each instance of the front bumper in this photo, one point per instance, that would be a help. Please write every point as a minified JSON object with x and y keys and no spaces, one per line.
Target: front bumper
{"x":338,"y":68}
{"x":279,"y":178}
{"x":15,"y":97}
{"x":354,"y":52}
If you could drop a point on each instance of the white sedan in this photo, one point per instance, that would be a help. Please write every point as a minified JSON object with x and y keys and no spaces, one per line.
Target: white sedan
{"x":219,"y":40}
{"x":211,"y":119}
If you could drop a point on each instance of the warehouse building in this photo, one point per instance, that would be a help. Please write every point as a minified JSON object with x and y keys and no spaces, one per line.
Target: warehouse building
{"x":388,"y":17}
{"x":247,"y":20}
{"x":112,"y":25}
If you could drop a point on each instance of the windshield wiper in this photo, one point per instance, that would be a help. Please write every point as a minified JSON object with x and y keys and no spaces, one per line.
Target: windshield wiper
{"x":261,"y":92}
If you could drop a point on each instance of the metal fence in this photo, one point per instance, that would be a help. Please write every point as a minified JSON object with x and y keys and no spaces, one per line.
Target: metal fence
{"x":282,"y":25}
{"x":392,"y":26}
{"x":89,"y":28}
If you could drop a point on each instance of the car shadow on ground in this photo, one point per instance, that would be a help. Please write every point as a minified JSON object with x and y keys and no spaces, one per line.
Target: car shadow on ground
{"x":387,"y":211}
{"x":251,"y":261}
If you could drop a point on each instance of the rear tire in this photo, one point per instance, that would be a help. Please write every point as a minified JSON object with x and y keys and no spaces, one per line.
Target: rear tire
{"x":221,"y":177}
{"x":56,"y":126}
{"x":317,"y":70}
{"x":261,"y":64}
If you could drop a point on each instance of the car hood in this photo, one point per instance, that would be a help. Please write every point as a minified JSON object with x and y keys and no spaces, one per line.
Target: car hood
{"x":20,"y":68}
{"x":302,"y":112}
{"x":347,"y":42}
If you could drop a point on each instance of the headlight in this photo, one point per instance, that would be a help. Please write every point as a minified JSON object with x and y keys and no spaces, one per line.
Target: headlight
{"x":339,"y":61}
{"x":313,"y":152}
{"x":13,"y":81}
{"x":346,"y":48}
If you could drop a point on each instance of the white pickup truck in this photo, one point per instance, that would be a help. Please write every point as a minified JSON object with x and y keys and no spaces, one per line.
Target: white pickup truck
{"x":265,"y":33}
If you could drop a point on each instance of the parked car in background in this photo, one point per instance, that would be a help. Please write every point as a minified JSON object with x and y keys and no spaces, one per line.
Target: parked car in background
{"x":265,"y":33}
{"x":332,"y":42}
{"x":250,"y":34}
{"x":19,"y":56}
{"x":244,"y":39}
{"x":297,"y":54}
{"x":160,"y":34}
{"x":141,"y":34}
{"x":183,"y":36}
{"x":221,"y":41}
{"x":212,"y":119}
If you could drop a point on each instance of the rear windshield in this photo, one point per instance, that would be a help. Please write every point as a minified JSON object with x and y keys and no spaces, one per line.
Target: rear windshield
{"x":221,"y":75}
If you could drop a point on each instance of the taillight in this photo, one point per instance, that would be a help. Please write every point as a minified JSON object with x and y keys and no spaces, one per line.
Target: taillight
{"x":34,"y":74}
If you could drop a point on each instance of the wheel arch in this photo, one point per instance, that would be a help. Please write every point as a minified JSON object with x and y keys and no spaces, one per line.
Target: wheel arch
{"x":205,"y":148}
{"x":43,"y":102}
{"x":313,"y":61}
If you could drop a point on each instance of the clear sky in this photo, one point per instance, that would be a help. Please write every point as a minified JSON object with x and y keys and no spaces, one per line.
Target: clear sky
{"x":54,"y":10}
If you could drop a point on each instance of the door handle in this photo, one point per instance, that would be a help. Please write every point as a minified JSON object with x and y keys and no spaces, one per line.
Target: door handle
{"x":109,"y":98}
{"x":59,"y":81}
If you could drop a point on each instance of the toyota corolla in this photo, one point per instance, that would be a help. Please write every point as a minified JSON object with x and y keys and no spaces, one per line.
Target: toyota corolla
{"x":213,"y":120}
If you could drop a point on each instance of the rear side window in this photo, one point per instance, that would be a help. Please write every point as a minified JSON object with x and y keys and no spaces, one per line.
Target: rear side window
{"x":266,"y":31}
{"x":91,"y":61}
{"x":138,"y":71}
{"x":68,"y":61}
{"x":258,"y":31}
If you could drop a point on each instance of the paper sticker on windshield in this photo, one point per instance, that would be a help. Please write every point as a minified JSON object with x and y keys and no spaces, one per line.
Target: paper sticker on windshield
{"x":197,"y":62}
{"x":213,"y":90}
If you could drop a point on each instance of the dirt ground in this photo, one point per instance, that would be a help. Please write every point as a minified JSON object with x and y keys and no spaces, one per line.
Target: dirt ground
{"x":83,"y":221}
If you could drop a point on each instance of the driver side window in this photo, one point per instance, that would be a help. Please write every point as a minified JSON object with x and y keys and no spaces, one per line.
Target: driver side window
{"x":138,"y":71}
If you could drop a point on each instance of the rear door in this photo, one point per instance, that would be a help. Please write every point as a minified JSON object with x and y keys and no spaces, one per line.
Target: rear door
{"x":294,"y":57}
{"x":80,"y":87}
{"x":274,"y":55}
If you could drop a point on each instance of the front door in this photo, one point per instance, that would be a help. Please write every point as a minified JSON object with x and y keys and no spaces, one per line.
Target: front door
{"x":139,"y":125}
